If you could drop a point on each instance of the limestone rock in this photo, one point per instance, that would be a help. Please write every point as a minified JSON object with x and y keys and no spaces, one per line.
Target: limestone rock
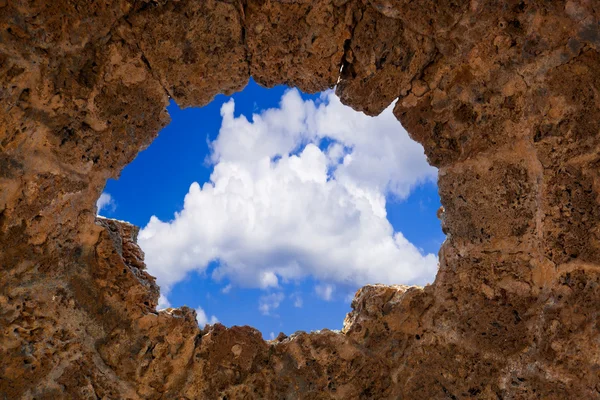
{"x":504,"y":97}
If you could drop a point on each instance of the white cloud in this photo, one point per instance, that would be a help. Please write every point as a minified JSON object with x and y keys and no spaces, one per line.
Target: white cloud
{"x":270,"y":302}
{"x":272,"y":335}
{"x":325,"y":291}
{"x":298,"y":302}
{"x":349,"y":297}
{"x":202,"y":318}
{"x":105,"y":202}
{"x":226,"y":289}
{"x":163,"y":302}
{"x":278,"y":208}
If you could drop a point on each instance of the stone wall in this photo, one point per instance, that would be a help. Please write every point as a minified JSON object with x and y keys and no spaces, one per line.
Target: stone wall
{"x":503,"y":95}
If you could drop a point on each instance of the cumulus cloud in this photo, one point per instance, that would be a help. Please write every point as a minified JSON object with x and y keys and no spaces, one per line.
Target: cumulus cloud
{"x":105,"y":203}
{"x":203,"y":319}
{"x":270,"y":302}
{"x":297,"y":191}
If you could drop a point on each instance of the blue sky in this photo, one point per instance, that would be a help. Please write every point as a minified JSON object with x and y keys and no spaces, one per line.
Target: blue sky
{"x":265,"y":243}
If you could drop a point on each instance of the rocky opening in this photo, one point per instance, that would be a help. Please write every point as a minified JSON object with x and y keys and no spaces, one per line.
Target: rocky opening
{"x":503,"y":97}
{"x":236,"y":200}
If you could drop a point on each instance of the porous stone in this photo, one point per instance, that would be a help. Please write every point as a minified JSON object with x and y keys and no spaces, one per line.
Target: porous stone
{"x":503,"y":96}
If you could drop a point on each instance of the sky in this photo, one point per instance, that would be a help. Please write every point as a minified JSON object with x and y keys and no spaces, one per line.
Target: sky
{"x":271,"y":208}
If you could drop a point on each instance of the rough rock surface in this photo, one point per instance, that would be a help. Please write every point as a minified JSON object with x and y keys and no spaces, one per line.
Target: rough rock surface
{"x":503,"y":95}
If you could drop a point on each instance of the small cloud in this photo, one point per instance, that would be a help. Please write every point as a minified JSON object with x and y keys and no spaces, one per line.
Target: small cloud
{"x":105,"y":203}
{"x":163,"y":302}
{"x":298,"y":302}
{"x":270,"y":302}
{"x":226,"y":289}
{"x":349,"y":297}
{"x":325,"y":291}
{"x":202,"y":318}
{"x":272,"y":335}
{"x":268,"y":279}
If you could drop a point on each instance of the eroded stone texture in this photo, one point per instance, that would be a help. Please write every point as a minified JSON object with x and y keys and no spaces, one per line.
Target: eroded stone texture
{"x":503,"y":95}
{"x":195,"y":48}
{"x":297,"y":43}
{"x":380,"y":61}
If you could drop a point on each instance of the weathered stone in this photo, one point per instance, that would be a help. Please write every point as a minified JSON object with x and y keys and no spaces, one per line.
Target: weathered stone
{"x":195,"y":48}
{"x":380,"y":62}
{"x":504,"y":97}
{"x":297,"y":43}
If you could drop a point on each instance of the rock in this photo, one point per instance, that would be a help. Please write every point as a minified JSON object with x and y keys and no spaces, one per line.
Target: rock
{"x":504,"y":98}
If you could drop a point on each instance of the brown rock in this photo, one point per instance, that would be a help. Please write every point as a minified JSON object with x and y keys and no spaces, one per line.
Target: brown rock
{"x":504,"y":97}
{"x":297,"y":43}
{"x":195,"y":49}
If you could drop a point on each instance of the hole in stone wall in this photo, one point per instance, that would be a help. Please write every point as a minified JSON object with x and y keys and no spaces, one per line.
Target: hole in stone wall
{"x":272,"y":207}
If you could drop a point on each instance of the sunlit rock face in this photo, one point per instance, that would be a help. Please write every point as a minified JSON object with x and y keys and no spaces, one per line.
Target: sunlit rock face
{"x":504,"y":97}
